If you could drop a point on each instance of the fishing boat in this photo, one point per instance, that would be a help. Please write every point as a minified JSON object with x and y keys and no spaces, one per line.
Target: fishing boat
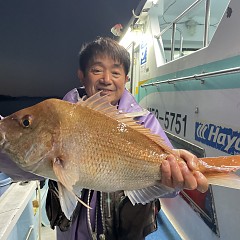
{"x":186,"y":70}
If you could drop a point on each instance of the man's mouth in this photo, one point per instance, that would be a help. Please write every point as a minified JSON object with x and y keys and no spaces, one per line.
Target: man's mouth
{"x":105,"y":92}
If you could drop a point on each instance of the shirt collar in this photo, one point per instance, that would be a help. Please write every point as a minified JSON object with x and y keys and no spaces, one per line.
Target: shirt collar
{"x":128,"y":103}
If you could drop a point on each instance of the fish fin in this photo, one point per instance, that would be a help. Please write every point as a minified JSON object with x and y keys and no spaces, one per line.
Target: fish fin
{"x":68,"y":201}
{"x":100,"y":103}
{"x":136,"y":114}
{"x":229,"y":163}
{"x":67,"y":178}
{"x":65,"y":183}
{"x":229,"y":180}
{"x":219,"y":170}
{"x":148,"y":194}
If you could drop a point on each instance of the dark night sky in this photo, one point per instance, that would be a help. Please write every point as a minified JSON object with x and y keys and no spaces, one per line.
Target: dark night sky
{"x":40,"y":41}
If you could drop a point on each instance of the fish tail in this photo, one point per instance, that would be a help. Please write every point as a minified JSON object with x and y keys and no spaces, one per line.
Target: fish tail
{"x":223,"y":164}
{"x":220,"y":170}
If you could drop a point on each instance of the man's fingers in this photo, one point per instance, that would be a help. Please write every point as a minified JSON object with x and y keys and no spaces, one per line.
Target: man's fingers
{"x":166,"y":177}
{"x":190,"y":181}
{"x":202,"y":183}
{"x":188,"y":157}
{"x":177,"y":178}
{"x":181,"y":175}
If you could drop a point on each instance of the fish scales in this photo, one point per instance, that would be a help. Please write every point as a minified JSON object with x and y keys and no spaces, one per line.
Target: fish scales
{"x":110,"y":151}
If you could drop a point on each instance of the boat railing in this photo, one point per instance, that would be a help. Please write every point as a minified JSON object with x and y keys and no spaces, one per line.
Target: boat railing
{"x":199,"y":77}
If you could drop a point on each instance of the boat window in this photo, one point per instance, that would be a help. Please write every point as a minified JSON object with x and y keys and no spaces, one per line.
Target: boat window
{"x":187,"y":26}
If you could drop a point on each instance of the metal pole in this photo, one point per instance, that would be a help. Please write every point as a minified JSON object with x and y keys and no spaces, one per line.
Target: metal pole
{"x":197,"y":76}
{"x":181,"y":45}
{"x":132,"y":67}
{"x":173,"y":41}
{"x":206,"y":24}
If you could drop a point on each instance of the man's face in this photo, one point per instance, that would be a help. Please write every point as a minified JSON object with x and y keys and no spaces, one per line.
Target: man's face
{"x":106,"y":75}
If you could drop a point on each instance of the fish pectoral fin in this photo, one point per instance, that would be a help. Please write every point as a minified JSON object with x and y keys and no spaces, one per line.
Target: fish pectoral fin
{"x":68,"y":200}
{"x":229,"y":180}
{"x":148,"y":194}
{"x":66,"y":180}
{"x":65,"y":175}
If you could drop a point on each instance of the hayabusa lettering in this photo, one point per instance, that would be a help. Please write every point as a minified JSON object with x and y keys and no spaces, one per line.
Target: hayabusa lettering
{"x":221,"y":138}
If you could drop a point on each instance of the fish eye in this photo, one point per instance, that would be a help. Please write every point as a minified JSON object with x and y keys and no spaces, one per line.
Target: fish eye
{"x":26,"y":121}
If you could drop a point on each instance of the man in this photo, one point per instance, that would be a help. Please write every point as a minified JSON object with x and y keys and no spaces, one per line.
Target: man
{"x":103,"y":66}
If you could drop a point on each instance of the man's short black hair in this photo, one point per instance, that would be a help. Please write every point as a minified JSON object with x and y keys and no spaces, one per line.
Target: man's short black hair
{"x":103,"y":46}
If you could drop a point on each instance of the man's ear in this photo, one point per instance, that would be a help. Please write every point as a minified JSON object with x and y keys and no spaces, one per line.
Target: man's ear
{"x":126,"y":79}
{"x":80,"y":75}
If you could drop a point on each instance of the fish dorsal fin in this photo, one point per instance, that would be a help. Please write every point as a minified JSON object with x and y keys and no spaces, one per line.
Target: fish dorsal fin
{"x":100,"y":103}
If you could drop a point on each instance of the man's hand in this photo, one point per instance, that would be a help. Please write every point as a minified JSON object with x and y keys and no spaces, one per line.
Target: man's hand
{"x":183,"y":175}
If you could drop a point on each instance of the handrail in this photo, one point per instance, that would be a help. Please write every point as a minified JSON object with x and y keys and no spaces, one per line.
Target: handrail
{"x":179,"y":17}
{"x":196,"y":76}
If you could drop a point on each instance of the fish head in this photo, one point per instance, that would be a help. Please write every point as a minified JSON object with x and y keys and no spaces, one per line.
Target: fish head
{"x":27,"y":136}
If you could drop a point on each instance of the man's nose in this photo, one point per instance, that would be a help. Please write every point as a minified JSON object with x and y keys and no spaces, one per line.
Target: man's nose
{"x":106,"y":78}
